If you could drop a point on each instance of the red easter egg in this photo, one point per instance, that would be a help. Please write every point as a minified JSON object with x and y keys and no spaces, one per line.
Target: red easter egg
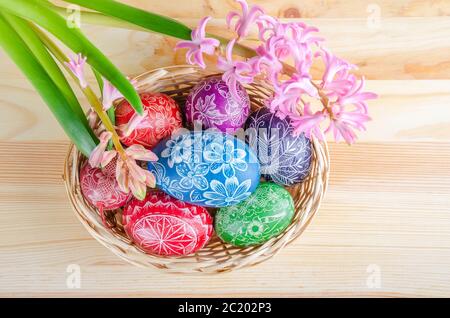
{"x":162,"y":118}
{"x":166,"y":226}
{"x":100,"y":187}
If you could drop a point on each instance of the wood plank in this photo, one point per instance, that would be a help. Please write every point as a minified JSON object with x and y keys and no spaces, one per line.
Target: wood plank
{"x":405,"y":111}
{"x":299,"y":8}
{"x":401,"y":48}
{"x":387,"y":206}
{"x":396,"y":48}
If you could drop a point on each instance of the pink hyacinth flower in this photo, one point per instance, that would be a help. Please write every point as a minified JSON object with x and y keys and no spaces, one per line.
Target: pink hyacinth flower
{"x":288,"y":95}
{"x":336,"y":79}
{"x":355,"y":96}
{"x":267,"y":60}
{"x":344,"y":122}
{"x":92,"y":118}
{"x":136,"y":122}
{"x":234,"y":71}
{"x":109,"y":94}
{"x":304,"y":34}
{"x":308,"y":123}
{"x":269,"y":26}
{"x":244,"y":21}
{"x":131,"y":176}
{"x":76,"y":65}
{"x":99,"y":156}
{"x":199,"y":45}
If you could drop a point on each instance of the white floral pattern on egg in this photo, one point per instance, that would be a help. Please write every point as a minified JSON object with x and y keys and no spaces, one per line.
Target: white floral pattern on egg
{"x":285,"y":159}
{"x":210,"y":169}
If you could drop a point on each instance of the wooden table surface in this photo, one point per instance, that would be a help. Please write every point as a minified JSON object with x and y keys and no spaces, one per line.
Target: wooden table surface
{"x":384,"y":225}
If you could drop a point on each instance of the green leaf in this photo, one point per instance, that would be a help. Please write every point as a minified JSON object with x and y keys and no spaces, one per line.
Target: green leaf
{"x":148,"y":20}
{"x":19,"y":52}
{"x":91,"y":17}
{"x":25,"y":31}
{"x":97,"y":18}
{"x":75,"y":40}
{"x":99,"y":79}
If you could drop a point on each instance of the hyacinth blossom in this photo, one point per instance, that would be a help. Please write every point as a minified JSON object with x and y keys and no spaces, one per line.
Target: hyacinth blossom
{"x":343,"y":122}
{"x":336,"y":104}
{"x":235,"y":72}
{"x":132,"y":177}
{"x":76,"y":65}
{"x":136,"y":122}
{"x":287,"y":95}
{"x":109,"y":94}
{"x":99,"y":156}
{"x":309,"y":122}
{"x":129,"y":174}
{"x":199,"y":45}
{"x":244,"y":22}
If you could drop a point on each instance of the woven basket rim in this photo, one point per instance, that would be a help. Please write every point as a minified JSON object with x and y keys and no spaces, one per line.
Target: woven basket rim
{"x":216,"y":257}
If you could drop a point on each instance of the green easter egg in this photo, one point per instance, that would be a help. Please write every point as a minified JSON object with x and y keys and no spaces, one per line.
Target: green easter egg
{"x":263,"y":215}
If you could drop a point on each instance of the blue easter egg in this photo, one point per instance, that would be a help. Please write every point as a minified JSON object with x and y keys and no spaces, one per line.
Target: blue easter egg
{"x":206,"y":168}
{"x":285,"y":159}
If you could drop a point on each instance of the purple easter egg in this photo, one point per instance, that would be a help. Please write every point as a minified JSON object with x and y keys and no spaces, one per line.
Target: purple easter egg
{"x":210,"y":103}
{"x":284,"y":158}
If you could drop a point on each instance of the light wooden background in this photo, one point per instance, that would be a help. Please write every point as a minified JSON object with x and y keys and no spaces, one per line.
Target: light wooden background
{"x":388,"y":206}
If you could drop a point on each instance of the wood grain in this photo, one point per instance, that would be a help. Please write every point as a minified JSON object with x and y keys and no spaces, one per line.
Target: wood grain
{"x":300,"y":8}
{"x":405,"y":111}
{"x":388,"y":204}
{"x":386,"y":210}
{"x":399,"y":49}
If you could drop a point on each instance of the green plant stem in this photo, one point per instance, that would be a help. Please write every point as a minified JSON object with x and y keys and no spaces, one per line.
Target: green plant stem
{"x":87,"y":91}
{"x":98,"y":107}
{"x":110,"y":111}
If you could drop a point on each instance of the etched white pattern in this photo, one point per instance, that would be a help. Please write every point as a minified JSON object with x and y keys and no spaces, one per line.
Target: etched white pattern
{"x":163,"y":117}
{"x":193,"y":168}
{"x":165,"y":235}
{"x":265,"y":214}
{"x":201,"y":104}
{"x":101,"y":188}
{"x":284,"y":159}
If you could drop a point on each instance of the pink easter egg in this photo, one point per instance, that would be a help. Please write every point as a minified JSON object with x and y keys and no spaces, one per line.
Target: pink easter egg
{"x":100,"y":188}
{"x":163,"y":225}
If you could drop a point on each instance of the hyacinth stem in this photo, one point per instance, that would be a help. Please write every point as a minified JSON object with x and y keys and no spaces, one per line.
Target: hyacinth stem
{"x":323,"y":97}
{"x":324,"y":100}
{"x":98,"y":108}
{"x":87,"y":91}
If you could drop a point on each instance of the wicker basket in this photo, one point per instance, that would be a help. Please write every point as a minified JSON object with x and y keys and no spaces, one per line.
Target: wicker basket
{"x":217,"y":256}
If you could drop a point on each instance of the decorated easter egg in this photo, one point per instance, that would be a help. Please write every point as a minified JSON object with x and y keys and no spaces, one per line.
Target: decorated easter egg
{"x":162,"y":117}
{"x":100,"y":188}
{"x":163,"y":225}
{"x":206,"y":168}
{"x":265,"y":214}
{"x":211,"y":103}
{"x":285,"y":159}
